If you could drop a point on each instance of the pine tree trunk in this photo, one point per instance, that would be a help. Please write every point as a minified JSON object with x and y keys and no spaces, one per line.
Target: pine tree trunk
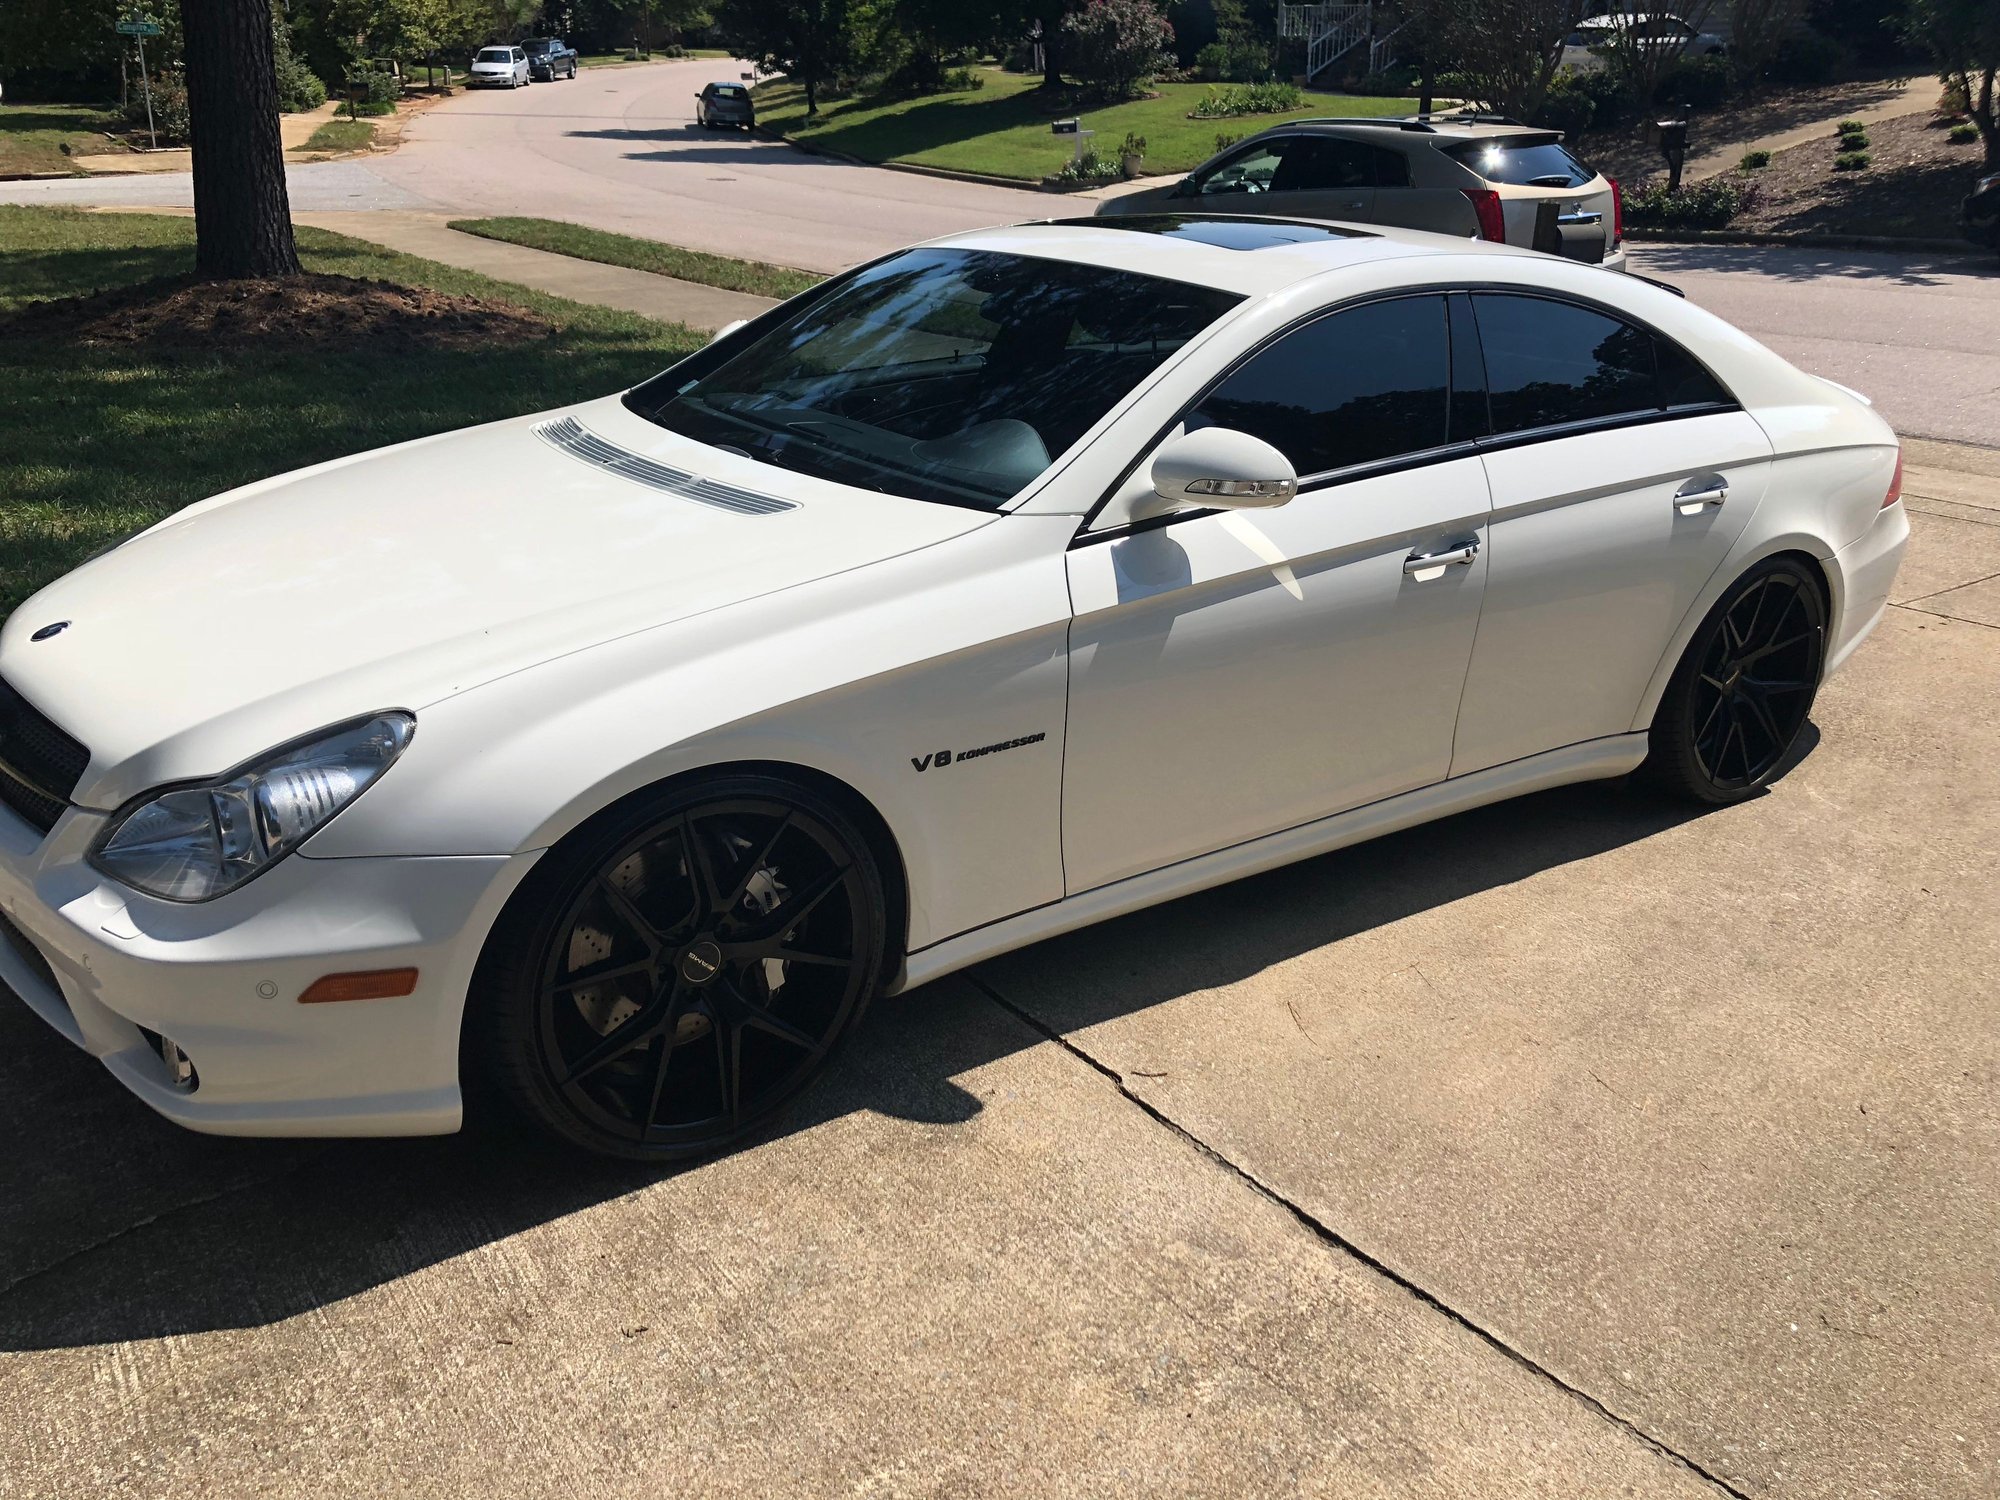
{"x":242,"y":215}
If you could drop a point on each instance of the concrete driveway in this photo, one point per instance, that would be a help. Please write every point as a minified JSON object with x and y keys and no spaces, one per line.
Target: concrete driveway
{"x":1579,"y":1147}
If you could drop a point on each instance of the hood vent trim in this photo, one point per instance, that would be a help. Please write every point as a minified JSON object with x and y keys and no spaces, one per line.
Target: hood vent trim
{"x":579,"y":442}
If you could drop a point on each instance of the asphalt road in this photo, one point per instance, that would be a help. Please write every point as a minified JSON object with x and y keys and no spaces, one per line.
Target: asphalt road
{"x":616,"y":148}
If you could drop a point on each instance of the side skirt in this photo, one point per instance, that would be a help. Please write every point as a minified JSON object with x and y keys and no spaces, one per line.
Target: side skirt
{"x":1593,"y":760}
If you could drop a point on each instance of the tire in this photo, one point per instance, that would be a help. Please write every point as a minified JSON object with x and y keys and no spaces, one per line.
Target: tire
{"x":1732,"y":712}
{"x":702,"y":1012}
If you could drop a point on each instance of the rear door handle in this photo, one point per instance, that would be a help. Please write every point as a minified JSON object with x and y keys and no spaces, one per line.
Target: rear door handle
{"x":1700,"y":493}
{"x":1430,"y":564}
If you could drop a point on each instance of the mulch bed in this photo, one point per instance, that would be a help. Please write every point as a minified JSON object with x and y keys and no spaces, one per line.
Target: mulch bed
{"x":320,"y":311}
{"x":1911,"y":187}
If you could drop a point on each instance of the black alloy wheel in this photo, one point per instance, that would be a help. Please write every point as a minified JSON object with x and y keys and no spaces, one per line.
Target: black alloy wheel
{"x":1742,"y":692}
{"x":692,"y":967}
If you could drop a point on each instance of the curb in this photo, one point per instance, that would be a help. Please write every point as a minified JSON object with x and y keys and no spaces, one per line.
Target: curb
{"x":1801,"y":241}
{"x":983,"y":179}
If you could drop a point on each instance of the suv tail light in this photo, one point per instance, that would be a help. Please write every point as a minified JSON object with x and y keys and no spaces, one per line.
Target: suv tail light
{"x":1486,"y":210}
{"x":1895,"y":483}
{"x":1617,"y":213}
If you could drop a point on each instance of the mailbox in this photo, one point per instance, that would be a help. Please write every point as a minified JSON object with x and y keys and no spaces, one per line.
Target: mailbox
{"x":1673,"y":138}
{"x":1064,"y":127}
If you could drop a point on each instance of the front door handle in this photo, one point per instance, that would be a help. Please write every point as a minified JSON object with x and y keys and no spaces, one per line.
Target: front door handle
{"x":1699,"y":493}
{"x":1430,"y":564}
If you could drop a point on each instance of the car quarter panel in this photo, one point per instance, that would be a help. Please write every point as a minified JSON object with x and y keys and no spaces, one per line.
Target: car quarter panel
{"x":933,"y":684}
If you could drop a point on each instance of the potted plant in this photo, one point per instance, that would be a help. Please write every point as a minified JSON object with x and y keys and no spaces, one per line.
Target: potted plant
{"x":1131,"y":152}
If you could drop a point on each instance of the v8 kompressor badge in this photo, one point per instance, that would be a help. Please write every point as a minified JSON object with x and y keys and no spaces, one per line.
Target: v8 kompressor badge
{"x":946,"y":757}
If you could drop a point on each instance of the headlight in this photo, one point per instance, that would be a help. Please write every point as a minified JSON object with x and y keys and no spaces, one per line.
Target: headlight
{"x":192,"y":843}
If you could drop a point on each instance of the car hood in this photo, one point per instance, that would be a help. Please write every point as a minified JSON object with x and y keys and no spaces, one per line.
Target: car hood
{"x":396,"y":578}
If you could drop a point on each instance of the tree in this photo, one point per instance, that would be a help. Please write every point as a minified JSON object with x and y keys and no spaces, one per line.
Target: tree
{"x":242,"y":213}
{"x":1115,"y":45}
{"x":1964,"y":37}
{"x":1503,"y":54}
{"x":806,"y":39}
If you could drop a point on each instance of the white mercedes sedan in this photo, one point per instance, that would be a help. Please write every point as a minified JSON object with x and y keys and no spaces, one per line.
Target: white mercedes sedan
{"x":997,"y":587}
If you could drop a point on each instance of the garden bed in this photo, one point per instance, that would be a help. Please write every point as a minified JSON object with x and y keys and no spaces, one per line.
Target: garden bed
{"x":1911,"y":187}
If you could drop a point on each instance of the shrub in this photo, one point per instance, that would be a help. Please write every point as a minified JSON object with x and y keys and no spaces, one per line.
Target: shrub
{"x":1858,"y":141}
{"x":299,"y":87}
{"x":1808,"y":57}
{"x":1089,"y":167}
{"x":1567,"y":107}
{"x":962,"y":80}
{"x":1963,"y":135}
{"x":1224,"y":140}
{"x":374,"y":86}
{"x":1132,"y":145}
{"x":170,"y":107}
{"x":1248,"y":99}
{"x":1754,"y":161}
{"x":1113,"y":46}
{"x":1852,"y":127}
{"x":1699,"y":82}
{"x":1851,"y":161}
{"x":1700,"y":205}
{"x":1233,"y":59}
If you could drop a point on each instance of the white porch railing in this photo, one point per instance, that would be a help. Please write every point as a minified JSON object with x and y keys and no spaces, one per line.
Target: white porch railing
{"x":1332,"y":31}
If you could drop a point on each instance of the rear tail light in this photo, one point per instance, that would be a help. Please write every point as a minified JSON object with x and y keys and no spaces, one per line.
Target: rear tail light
{"x":1486,"y":210}
{"x":1895,"y":483}
{"x":1617,"y":213}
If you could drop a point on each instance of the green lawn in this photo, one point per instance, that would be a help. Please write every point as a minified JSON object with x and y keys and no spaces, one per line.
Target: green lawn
{"x":102,"y":441}
{"x":643,"y":255}
{"x":1003,"y":128}
{"x":32,"y":136}
{"x":339,"y":135}
{"x":609,"y":59}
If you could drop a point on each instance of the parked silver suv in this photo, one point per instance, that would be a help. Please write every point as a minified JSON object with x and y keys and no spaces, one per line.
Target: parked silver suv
{"x":1479,"y":176}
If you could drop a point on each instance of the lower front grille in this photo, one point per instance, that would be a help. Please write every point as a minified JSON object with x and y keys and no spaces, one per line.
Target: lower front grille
{"x":24,"y":949}
{"x":39,"y":764}
{"x":35,"y":806}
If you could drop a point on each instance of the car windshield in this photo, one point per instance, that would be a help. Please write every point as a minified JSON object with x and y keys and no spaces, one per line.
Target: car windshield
{"x":949,"y":375}
{"x":537,"y":48}
{"x":1522,"y":161}
{"x":495,"y":54}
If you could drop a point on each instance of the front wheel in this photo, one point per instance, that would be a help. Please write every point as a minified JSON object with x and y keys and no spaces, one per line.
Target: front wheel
{"x":1733,"y":710}
{"x":671,"y":978}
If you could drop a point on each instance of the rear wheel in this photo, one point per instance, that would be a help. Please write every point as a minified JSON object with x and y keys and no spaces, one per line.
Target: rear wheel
{"x":1732,"y":712}
{"x":685,"y":969}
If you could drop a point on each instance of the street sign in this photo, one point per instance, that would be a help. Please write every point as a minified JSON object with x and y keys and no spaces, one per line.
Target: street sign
{"x":139,"y":28}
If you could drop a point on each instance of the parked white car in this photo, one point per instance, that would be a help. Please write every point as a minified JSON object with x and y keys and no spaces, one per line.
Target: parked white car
{"x":499,"y":68}
{"x":993,"y":589}
{"x":1595,"y":39}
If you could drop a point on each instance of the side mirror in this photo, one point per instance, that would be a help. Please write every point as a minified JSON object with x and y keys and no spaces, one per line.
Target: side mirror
{"x":1217,"y":468}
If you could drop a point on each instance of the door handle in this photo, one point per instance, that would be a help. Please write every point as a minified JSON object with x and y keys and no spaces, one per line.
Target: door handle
{"x":1432,"y":563}
{"x":1699,"y":493}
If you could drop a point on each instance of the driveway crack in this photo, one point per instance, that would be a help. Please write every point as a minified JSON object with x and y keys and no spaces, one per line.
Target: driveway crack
{"x":1332,"y":1237}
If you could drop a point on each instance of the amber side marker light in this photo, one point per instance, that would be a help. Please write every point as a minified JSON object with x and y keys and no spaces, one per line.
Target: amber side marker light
{"x":372,"y":984}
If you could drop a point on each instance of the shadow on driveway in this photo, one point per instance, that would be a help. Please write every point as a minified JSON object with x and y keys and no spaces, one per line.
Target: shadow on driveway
{"x":120,"y":1226}
{"x":1912,"y":268}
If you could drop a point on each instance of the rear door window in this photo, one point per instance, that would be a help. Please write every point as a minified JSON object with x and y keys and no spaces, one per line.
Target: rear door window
{"x":1317,"y":164}
{"x":1522,"y":161}
{"x":1551,"y":363}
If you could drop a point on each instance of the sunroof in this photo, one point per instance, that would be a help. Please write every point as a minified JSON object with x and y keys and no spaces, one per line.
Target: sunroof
{"x":1233,"y":232}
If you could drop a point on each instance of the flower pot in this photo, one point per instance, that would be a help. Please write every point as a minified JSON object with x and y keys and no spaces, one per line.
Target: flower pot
{"x":1129,"y":164}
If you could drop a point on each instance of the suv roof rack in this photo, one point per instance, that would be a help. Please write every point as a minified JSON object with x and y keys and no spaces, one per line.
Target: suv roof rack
{"x":1399,"y":121}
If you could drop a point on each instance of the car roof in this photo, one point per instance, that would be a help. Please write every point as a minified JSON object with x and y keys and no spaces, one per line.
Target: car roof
{"x":1179,"y":247}
{"x":1400,"y":130}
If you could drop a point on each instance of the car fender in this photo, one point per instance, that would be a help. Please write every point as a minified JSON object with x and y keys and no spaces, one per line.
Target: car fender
{"x":933,"y":684}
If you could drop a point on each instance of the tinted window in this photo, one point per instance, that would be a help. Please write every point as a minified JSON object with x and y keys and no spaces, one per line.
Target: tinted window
{"x":495,"y":54}
{"x":1392,"y":168}
{"x":537,"y":48}
{"x":1550,"y":362}
{"x":1522,"y":161}
{"x":1352,"y":388}
{"x":1682,"y":381}
{"x":953,"y":375}
{"x":1321,"y":163}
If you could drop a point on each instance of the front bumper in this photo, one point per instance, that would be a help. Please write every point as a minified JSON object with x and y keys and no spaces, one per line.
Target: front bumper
{"x":222,"y":980}
{"x":491,"y":80}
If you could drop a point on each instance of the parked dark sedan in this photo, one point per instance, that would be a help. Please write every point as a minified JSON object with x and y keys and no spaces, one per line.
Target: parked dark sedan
{"x":724,"y":104}
{"x":550,"y":57}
